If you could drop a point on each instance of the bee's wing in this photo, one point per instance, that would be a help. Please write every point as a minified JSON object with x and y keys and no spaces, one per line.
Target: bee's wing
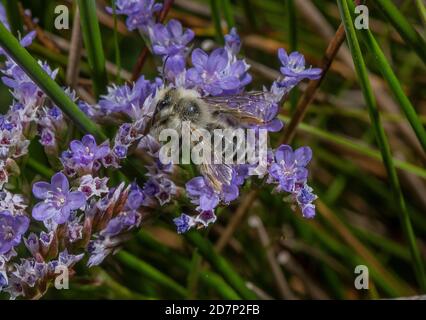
{"x":217,"y":174}
{"x":250,"y":107}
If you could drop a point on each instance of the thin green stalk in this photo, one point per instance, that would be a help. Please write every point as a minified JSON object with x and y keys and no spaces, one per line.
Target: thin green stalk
{"x":357,"y":147}
{"x":220,"y":264}
{"x":217,"y":20}
{"x":93,"y":43}
{"x":291,"y":26}
{"x":207,"y":278}
{"x":422,"y":11}
{"x":407,"y":32}
{"x":116,"y":44}
{"x":362,"y":73}
{"x":150,"y":272}
{"x":228,"y":13}
{"x":13,"y":16}
{"x":394,"y":84}
{"x":30,"y":66}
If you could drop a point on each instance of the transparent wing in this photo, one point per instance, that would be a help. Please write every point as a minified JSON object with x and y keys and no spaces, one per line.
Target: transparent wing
{"x":217,"y":174}
{"x":251,"y":107}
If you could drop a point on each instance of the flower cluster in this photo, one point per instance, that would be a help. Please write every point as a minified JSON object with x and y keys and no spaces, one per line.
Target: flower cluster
{"x":81,"y":213}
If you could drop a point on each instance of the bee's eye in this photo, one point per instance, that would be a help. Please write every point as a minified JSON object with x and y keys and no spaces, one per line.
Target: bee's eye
{"x":162,"y":104}
{"x":192,"y":108}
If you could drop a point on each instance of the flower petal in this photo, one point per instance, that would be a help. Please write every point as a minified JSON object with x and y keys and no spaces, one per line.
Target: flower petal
{"x":41,"y":189}
{"x":76,"y":200}
{"x":60,"y":183}
{"x":43,"y":211}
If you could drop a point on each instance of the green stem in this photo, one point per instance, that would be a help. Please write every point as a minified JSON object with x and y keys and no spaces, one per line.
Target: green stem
{"x":394,"y":84}
{"x":407,"y":32}
{"x":150,"y":272}
{"x":30,"y":66}
{"x":214,"y":5}
{"x":93,"y":43}
{"x":220,"y":264}
{"x":362,"y":73}
{"x":228,"y":13}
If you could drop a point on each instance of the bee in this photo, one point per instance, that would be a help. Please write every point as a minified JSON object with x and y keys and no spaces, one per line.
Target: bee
{"x":173,"y":106}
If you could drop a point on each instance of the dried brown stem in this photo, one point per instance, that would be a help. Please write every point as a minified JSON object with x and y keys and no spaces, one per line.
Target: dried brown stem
{"x":74,"y":55}
{"x":305,"y":101}
{"x":236,"y":220}
{"x":140,"y":62}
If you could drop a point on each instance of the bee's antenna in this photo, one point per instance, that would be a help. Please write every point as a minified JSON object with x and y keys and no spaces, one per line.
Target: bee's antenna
{"x":164,"y":68}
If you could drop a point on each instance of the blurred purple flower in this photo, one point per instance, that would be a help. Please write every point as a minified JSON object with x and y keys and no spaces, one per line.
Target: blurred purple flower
{"x":12,"y":228}
{"x":58,"y":200}
{"x":183,"y":223}
{"x":216,"y":74}
{"x":233,"y":42}
{"x":170,"y":39}
{"x":140,"y":13}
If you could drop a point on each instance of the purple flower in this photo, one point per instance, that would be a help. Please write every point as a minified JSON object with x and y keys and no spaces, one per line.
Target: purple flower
{"x":289,"y":167}
{"x":233,"y":42}
{"x":84,"y":155}
{"x":24,"y":89}
{"x":304,"y":198}
{"x":58,"y":200}
{"x":170,"y":39}
{"x":183,"y":223}
{"x":128,"y":99}
{"x":129,"y":218}
{"x":293,"y":67}
{"x":12,"y":227}
{"x":140,"y":13}
{"x":205,"y":218}
{"x":202,"y":194}
{"x":217,"y":74}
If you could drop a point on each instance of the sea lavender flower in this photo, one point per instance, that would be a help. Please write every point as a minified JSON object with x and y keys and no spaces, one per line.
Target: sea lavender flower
{"x":128,"y":99}
{"x":140,"y":13}
{"x":170,"y":39}
{"x":12,"y":228}
{"x":58,"y":202}
{"x":84,"y":156}
{"x":304,"y":198}
{"x":130,"y":217}
{"x":289,"y":168}
{"x":217,"y":74}
{"x":202,"y":194}
{"x":293,"y":67}
{"x":183,"y":223}
{"x":23,"y":88}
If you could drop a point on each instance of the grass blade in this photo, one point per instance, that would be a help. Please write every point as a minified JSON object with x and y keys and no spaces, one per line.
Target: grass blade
{"x":217,"y":20}
{"x":150,"y":272}
{"x":93,"y":44}
{"x":228,"y":13}
{"x":362,"y":73}
{"x":220,"y":264}
{"x":406,"y":31}
{"x":30,"y":66}
{"x":394,"y":84}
